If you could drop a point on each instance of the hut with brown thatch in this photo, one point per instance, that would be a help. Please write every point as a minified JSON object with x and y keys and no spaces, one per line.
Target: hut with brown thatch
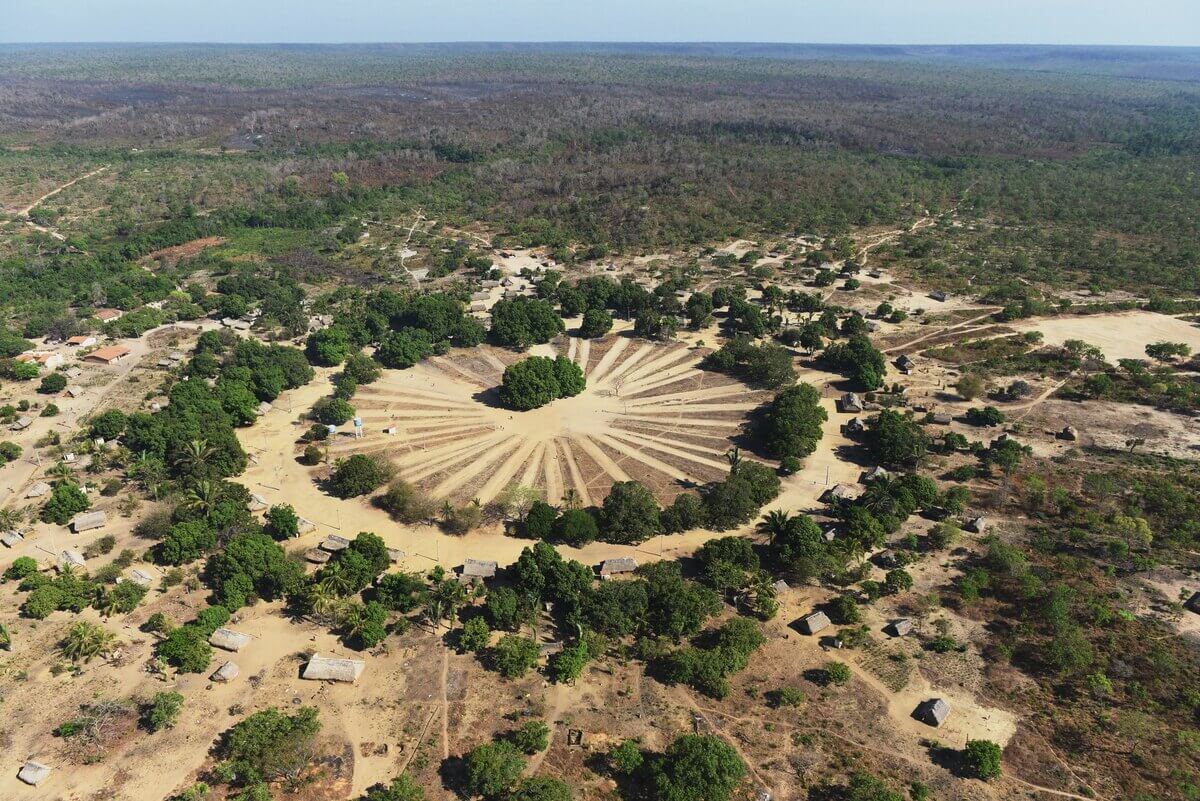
{"x":813,"y":623}
{"x":617,"y":566}
{"x":933,"y":712}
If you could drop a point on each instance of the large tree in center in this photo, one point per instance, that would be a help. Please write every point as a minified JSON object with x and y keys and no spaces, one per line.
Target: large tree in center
{"x":538,"y":380}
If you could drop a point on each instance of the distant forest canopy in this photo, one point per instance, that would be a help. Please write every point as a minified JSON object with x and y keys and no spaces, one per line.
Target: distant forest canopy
{"x":1086,"y":157}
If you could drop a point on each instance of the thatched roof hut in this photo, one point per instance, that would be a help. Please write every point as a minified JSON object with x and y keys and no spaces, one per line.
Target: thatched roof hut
{"x":899,"y":627}
{"x":324,"y":668}
{"x":226,"y":672}
{"x":616,"y":566}
{"x":477,"y":570}
{"x":933,"y":712}
{"x":229,"y":640}
{"x":38,"y":490}
{"x":317,"y":556}
{"x":141,"y":577}
{"x":813,"y":623}
{"x":978,"y":525}
{"x":34,"y":773}
{"x":71,"y":558}
{"x":333,"y":543}
{"x":11,"y":538}
{"x":1193,"y":604}
{"x":86,"y":521}
{"x":835,"y":493}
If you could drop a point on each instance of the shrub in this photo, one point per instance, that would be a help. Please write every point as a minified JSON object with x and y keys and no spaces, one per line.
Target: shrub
{"x":401,"y":788}
{"x":982,"y":758}
{"x":539,"y":521}
{"x":312,"y":455}
{"x":55,"y":382}
{"x":406,"y":503}
{"x":187,"y":649}
{"x":576,"y":527}
{"x":163,"y":710}
{"x":21,"y":567}
{"x":532,"y":737}
{"x":282,"y":521}
{"x":475,"y":635}
{"x":697,"y":767}
{"x":836,"y":673}
{"x":66,"y":501}
{"x":626,"y":758}
{"x":358,"y":475}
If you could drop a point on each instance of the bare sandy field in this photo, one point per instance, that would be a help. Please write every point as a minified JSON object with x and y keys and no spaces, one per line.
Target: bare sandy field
{"x":1121,"y":335}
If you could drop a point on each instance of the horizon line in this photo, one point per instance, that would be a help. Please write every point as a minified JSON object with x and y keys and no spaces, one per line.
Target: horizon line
{"x":643,"y":42}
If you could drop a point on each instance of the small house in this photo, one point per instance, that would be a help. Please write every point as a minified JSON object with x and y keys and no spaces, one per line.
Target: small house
{"x":941,"y":418}
{"x":480,"y":295}
{"x":813,"y":623}
{"x":780,"y":586}
{"x":82,"y":341}
{"x":317,"y":556}
{"x":333,"y":543}
{"x":226,"y":672}
{"x":905,"y":364}
{"x":1069,"y":433}
{"x":22,"y":423}
{"x":235,"y":324}
{"x":617,"y":566}
{"x":304,"y":525}
{"x":395,"y":554}
{"x":74,"y":391}
{"x":71,"y":559}
{"x":107,"y":315}
{"x":109,"y":355}
{"x":323,"y":668}
{"x":86,"y":521}
{"x":263,"y":408}
{"x":851,"y":403}
{"x":876,"y":474}
{"x":256,"y":503}
{"x":38,"y":490}
{"x":12,"y":538}
{"x":976,"y":525}
{"x":854,"y":426}
{"x":229,"y":640}
{"x":933,"y":712}
{"x":141,"y":577}
{"x":477,"y":570}
{"x":34,"y":773}
{"x":899,"y":627}
{"x":50,"y":361}
{"x":835,"y":493}
{"x":938,"y":295}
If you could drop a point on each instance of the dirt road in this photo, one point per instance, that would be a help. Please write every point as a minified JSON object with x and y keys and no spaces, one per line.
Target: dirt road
{"x":26,"y":211}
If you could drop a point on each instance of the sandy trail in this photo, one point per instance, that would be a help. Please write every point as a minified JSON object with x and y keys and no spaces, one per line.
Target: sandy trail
{"x":25,"y":212}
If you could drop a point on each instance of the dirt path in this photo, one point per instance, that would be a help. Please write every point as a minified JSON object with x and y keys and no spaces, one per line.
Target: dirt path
{"x":557,"y":707}
{"x":26,"y":211}
{"x":944,"y":330}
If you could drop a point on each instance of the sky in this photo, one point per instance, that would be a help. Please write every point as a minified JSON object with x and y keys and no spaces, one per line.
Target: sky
{"x":1133,"y":22}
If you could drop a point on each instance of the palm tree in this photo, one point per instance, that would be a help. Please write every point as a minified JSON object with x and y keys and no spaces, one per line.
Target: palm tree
{"x":10,"y":519}
{"x":571,"y":499}
{"x":194,"y":454}
{"x":150,"y":472}
{"x":734,"y":457}
{"x":203,"y":497}
{"x":61,"y":471}
{"x":774,"y":524}
{"x":85,"y":640}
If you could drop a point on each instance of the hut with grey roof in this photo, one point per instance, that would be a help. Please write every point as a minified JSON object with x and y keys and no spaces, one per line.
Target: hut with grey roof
{"x":333,"y":543}
{"x":226,"y":672}
{"x":617,"y":566}
{"x":850,"y":402}
{"x":317,"y":556}
{"x":71,"y":558}
{"x":34,"y":773}
{"x":324,"y":668}
{"x":899,"y":627}
{"x":229,"y":640}
{"x":933,"y":712}
{"x":835,"y":493}
{"x":977,"y":525}
{"x":813,"y":623}
{"x":477,"y":570}
{"x":1193,"y":604}
{"x":11,"y":538}
{"x":86,"y":521}
{"x":140,"y":577}
{"x":38,"y":490}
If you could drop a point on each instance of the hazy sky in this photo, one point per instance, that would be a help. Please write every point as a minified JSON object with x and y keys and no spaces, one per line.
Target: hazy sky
{"x":1158,"y":22}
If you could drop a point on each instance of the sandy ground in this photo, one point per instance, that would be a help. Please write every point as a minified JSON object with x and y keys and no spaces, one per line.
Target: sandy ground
{"x":1120,"y":335}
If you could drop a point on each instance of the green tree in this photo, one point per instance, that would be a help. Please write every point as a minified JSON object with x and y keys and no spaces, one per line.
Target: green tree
{"x":493,"y":768}
{"x":696,"y":768}
{"x":630,"y":513}
{"x":790,"y":425}
{"x":895,"y":439}
{"x":85,"y":641}
{"x":596,"y":323}
{"x":401,"y":788}
{"x":532,"y":737}
{"x":475,"y":635}
{"x":66,"y":501}
{"x":282,"y":521}
{"x":404,"y":348}
{"x":541,"y":788}
{"x":358,"y":474}
{"x":513,"y":656}
{"x":982,"y":758}
{"x":268,"y":746}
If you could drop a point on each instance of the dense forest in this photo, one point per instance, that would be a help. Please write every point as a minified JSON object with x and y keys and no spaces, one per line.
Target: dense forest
{"x":1076,"y":174}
